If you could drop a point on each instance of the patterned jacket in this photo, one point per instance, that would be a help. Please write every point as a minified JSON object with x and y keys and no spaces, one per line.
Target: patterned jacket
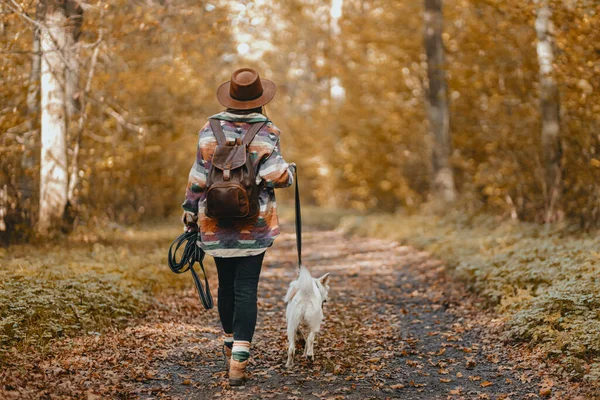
{"x":232,"y":238}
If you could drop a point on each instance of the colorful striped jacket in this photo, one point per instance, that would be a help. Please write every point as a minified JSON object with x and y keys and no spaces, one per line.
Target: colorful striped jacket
{"x":231,"y":238}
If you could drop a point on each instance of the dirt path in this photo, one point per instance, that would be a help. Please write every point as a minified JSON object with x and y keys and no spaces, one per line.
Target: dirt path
{"x":394,"y":329}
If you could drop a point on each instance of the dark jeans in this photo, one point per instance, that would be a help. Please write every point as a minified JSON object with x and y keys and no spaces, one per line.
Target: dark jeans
{"x":238,"y":284}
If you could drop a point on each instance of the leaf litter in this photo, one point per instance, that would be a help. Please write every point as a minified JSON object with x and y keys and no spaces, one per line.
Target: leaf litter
{"x":394,"y":328}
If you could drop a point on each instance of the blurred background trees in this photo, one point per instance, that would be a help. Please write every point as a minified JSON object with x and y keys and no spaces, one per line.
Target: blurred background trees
{"x":353,"y":84}
{"x":146,"y":73}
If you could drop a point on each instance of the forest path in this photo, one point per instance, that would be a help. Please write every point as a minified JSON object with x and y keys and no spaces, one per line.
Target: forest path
{"x":395,"y":328}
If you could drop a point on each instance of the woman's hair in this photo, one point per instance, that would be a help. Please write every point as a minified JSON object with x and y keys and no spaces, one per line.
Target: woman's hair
{"x":259,"y":110}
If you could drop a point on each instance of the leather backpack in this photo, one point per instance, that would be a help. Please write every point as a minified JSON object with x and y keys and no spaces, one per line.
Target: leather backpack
{"x":231,"y":189}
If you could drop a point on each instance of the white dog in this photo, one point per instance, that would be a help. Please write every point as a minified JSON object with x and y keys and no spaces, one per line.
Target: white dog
{"x":305,"y":299}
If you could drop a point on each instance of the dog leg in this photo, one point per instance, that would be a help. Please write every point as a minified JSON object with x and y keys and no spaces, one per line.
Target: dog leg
{"x":310,"y":350}
{"x":301,"y":334}
{"x":305,"y":344}
{"x":291,"y":347}
{"x":305,"y":353}
{"x":301,"y":337}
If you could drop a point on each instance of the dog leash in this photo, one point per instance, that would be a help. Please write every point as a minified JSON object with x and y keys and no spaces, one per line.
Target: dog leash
{"x":298,"y":220}
{"x":192,"y":253}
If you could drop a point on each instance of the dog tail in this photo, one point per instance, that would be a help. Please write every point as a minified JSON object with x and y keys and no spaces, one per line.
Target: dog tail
{"x":305,"y":281}
{"x":302,"y":284}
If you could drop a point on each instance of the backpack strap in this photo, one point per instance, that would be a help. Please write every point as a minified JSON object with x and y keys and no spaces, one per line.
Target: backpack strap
{"x":254,"y":129}
{"x":215,"y":125}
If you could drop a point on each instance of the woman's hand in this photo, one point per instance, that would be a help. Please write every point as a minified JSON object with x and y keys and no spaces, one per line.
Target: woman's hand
{"x":191,"y":228}
{"x":190,"y":220}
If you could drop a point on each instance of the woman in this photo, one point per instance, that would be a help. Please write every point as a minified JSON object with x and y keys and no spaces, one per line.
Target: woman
{"x":238,"y":245}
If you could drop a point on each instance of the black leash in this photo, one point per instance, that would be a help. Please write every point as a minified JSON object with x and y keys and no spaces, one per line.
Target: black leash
{"x":298,"y":220}
{"x":191,"y":254}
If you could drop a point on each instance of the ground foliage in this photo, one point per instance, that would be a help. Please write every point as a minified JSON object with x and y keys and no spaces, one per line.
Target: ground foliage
{"x":394,"y":328}
{"x":88,"y":284}
{"x":542,"y":280}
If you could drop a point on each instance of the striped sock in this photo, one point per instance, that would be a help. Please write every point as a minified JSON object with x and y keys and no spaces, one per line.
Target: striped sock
{"x":240,"y":350}
{"x":228,"y":340}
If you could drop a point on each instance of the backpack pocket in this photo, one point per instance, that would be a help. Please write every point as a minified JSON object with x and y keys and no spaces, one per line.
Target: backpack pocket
{"x":227,"y":200}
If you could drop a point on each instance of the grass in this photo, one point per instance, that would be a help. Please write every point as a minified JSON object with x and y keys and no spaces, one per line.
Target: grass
{"x":86,"y":283}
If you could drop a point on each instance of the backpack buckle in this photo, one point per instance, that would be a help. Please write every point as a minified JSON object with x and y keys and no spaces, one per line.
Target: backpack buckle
{"x":226,"y":174}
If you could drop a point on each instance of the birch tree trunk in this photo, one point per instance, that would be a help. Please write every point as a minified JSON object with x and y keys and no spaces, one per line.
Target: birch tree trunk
{"x":550,"y":111}
{"x":53,"y":168}
{"x":438,"y":108}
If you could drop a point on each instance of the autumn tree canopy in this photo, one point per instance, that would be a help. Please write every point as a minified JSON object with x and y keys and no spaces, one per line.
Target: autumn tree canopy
{"x":352,"y":102}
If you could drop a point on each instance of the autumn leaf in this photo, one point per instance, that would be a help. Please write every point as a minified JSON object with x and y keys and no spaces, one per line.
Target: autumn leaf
{"x":456,"y":390}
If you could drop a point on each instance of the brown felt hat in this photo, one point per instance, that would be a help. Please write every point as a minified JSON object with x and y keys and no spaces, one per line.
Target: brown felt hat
{"x":245,"y":90}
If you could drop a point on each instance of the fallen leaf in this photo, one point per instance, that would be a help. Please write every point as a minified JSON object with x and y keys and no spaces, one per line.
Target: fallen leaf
{"x":456,"y":390}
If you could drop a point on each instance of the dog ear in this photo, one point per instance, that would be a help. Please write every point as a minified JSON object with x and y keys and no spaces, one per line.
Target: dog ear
{"x":324,"y":279}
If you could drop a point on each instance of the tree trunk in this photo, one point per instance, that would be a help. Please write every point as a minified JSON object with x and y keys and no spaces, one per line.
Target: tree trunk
{"x":73,"y":91}
{"x":438,"y":107}
{"x":74,"y":95}
{"x":74,"y":179}
{"x":31,"y":140}
{"x":53,"y":168}
{"x":550,"y":112}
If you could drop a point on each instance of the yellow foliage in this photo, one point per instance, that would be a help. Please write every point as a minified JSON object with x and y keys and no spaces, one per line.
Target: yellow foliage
{"x":351,"y":103}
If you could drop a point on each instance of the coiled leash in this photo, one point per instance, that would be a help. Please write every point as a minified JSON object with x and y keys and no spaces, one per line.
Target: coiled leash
{"x":191,"y":254}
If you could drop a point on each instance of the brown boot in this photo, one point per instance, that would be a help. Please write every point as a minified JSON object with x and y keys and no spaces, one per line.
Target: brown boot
{"x":237,"y":372}
{"x":227,"y":355}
